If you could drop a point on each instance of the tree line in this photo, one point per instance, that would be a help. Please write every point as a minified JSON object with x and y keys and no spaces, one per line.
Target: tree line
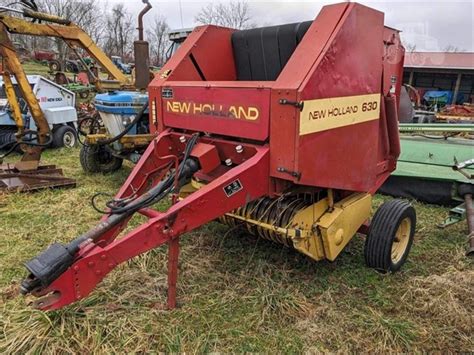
{"x":114,"y":29}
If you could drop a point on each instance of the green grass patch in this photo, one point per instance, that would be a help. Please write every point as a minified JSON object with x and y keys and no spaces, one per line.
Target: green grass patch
{"x":235,"y":292}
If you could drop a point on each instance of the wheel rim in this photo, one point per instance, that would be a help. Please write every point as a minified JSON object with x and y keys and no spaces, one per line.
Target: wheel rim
{"x":69,"y":140}
{"x":104,"y":157}
{"x":400,"y":243}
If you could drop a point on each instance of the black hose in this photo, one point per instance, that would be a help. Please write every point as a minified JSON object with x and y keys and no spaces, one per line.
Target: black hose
{"x":27,"y":142}
{"x":132,"y":204}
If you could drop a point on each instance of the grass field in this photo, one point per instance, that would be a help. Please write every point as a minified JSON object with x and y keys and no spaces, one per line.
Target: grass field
{"x":35,"y":68}
{"x":236,"y":292}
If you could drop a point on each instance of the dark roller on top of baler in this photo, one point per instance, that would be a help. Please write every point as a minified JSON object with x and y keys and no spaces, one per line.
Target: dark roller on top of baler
{"x":262,"y":53}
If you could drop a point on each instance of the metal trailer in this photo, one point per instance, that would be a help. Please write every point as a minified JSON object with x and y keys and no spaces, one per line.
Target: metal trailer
{"x":286,"y":130}
{"x":57,"y":103}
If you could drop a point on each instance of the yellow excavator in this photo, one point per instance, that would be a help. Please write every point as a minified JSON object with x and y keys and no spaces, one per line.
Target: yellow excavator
{"x":27,"y":174}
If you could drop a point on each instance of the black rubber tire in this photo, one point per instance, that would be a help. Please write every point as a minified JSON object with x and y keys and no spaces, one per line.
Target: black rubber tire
{"x":465,"y":189}
{"x":64,"y":136}
{"x":84,"y":94}
{"x":382,"y":233}
{"x":55,"y":65}
{"x":96,"y":159}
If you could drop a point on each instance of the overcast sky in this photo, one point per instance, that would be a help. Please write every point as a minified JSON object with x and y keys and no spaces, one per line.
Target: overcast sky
{"x":430,"y":25}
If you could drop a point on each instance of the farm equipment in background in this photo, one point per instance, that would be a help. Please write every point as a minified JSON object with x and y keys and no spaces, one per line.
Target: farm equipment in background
{"x":433,"y":105}
{"x":285,"y":130}
{"x":456,"y":113}
{"x":13,"y":175}
{"x":116,"y":111}
{"x":124,"y":131}
{"x":80,"y":84}
{"x":428,"y":169}
{"x":50,"y":59}
{"x":47,"y":58}
{"x":57,"y":103}
{"x":125,"y":68}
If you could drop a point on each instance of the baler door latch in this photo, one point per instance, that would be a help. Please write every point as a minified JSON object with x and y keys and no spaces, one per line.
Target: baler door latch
{"x":295,"y":174}
{"x":297,"y":104}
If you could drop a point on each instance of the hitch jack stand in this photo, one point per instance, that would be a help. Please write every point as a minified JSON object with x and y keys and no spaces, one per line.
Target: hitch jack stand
{"x":173,"y":256}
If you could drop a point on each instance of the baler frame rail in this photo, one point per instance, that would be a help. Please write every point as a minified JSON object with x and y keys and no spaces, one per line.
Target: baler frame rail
{"x":95,"y":259}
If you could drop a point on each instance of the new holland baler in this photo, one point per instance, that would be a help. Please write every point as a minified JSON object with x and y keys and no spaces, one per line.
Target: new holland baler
{"x":286,"y":130}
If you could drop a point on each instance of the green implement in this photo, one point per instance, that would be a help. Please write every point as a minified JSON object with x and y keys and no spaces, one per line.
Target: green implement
{"x":427,"y":167}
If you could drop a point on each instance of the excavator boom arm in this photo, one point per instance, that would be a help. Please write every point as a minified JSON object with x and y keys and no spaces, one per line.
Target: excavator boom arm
{"x":70,"y":33}
{"x":14,"y":67}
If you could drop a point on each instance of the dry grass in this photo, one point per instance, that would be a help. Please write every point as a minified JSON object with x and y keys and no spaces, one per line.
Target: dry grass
{"x":236,"y":293}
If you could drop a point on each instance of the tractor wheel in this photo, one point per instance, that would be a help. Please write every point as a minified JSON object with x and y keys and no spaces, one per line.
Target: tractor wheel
{"x":84,"y":94}
{"x":96,"y":159}
{"x":390,"y":236}
{"x":55,"y":65}
{"x":64,"y":136}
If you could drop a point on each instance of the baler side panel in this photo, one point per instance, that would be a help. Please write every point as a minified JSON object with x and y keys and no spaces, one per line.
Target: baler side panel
{"x":283,"y":125}
{"x":193,"y":62}
{"x":237,"y":112}
{"x":213,"y":54}
{"x":349,"y":73}
{"x":205,"y":55}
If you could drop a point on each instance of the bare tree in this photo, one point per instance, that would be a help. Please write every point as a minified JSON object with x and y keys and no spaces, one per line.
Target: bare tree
{"x":85,"y":13}
{"x":119,"y":32}
{"x":235,"y":14}
{"x":453,"y":49}
{"x":158,"y":39}
{"x":410,"y":47}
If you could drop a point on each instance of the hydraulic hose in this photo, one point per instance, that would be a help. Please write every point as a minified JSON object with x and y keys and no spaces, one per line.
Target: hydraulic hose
{"x":27,"y":142}
{"x":49,"y":265}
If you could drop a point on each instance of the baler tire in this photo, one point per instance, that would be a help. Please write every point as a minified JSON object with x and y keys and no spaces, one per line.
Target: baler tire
{"x":64,"y":136}
{"x":92,"y":162}
{"x":394,"y":219}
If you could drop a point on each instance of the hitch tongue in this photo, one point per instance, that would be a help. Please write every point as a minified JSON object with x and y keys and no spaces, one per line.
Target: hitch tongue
{"x":49,"y":265}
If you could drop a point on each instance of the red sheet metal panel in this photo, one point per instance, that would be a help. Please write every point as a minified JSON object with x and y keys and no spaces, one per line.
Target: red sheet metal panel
{"x":283,"y":124}
{"x":338,"y":130}
{"x":215,"y":63}
{"x":236,"y":112}
{"x":192,"y":60}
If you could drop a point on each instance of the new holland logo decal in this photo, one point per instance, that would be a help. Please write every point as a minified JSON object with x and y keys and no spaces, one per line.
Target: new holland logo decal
{"x":324,"y":114}
{"x":248,"y":113}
